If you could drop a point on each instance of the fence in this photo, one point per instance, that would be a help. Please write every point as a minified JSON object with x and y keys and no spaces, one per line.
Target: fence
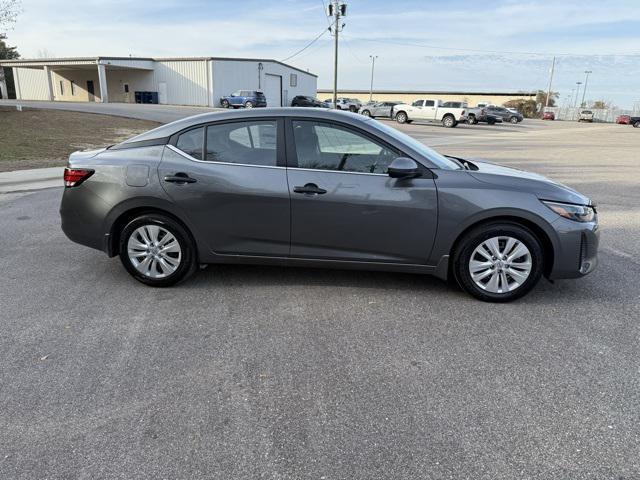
{"x":599,"y":115}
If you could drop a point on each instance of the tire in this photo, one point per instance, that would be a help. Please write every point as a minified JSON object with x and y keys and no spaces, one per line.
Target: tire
{"x":353,"y":109}
{"x":636,"y":124}
{"x":401,"y":117}
{"x":491,"y":122}
{"x":248,"y":104}
{"x":472,"y":120}
{"x":489,"y":283}
{"x":513,"y":120}
{"x":448,"y":121}
{"x":147,"y":230}
{"x":224,"y":103}
{"x":338,"y":107}
{"x":366,"y":113}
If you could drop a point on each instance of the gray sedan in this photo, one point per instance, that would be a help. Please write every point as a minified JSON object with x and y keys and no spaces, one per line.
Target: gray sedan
{"x":378,"y":109}
{"x":315,"y":188}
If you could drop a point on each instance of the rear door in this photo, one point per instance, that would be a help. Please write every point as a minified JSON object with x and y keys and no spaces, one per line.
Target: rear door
{"x":344,"y":205}
{"x":230,"y":180}
{"x":429,"y":110}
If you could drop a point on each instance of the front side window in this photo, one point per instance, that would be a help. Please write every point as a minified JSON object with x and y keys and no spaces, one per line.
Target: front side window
{"x":417,"y":103}
{"x":191,"y":142}
{"x":250,"y":143}
{"x":324,"y":146}
{"x":236,"y":93}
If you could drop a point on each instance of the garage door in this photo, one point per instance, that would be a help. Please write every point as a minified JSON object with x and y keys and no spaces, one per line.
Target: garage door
{"x":273,"y":90}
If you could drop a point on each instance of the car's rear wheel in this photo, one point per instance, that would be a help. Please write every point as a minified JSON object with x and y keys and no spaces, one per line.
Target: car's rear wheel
{"x":248,"y":104}
{"x":224,"y":103}
{"x":401,"y":117}
{"x":636,"y":124}
{"x":366,"y":113}
{"x":513,"y":120}
{"x":498,"y":262}
{"x":156,"y":250}
{"x":472,"y":120}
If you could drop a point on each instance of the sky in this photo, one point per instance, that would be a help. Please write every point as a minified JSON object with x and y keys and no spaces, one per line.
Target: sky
{"x":469,"y":45}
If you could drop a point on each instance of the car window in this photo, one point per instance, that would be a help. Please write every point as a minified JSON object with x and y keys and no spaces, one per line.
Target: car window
{"x":236,"y":93}
{"x":417,"y":103}
{"x":324,"y":146}
{"x":251,"y":143}
{"x":429,"y":103}
{"x":191,"y":142}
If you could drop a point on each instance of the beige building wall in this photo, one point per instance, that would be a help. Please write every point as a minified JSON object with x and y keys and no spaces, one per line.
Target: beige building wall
{"x":62,"y":90}
{"x":138,"y":81}
{"x":31,"y":83}
{"x":471,"y":99}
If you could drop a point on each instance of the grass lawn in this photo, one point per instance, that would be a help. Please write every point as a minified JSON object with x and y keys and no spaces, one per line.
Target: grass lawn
{"x":37,"y":138}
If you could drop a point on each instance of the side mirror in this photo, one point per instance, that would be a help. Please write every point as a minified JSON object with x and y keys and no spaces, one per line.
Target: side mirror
{"x":403,"y":167}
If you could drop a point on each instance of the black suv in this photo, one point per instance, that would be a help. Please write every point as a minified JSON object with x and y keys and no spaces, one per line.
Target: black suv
{"x":505,"y":114}
{"x":305,"y":101}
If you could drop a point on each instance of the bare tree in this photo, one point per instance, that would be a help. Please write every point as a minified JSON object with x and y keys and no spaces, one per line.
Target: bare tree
{"x":9,"y":10}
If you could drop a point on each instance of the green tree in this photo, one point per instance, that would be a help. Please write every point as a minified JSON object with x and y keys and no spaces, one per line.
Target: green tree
{"x":600,"y":104}
{"x":528,"y":108}
{"x":8,"y":53}
{"x":541,"y":98}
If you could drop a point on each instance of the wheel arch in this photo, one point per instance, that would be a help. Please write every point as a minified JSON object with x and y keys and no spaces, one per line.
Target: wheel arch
{"x":123,"y":214}
{"x":542,"y":234}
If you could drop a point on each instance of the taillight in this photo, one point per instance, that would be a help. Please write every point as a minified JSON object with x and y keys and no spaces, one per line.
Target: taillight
{"x":75,"y":176}
{"x":462,"y":112}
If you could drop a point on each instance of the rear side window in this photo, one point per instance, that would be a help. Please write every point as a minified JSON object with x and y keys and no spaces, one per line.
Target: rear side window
{"x":429,"y":103}
{"x":191,"y":142}
{"x":249,"y":143}
{"x":330,"y":147}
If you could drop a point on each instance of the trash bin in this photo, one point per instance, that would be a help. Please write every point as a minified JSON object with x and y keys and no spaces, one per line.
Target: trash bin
{"x":138,"y":97}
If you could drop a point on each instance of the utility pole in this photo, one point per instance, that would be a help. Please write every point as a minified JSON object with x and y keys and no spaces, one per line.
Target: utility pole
{"x":553,"y":66}
{"x":584,"y":90}
{"x":373,"y":64}
{"x":575,"y":104}
{"x":336,"y":10}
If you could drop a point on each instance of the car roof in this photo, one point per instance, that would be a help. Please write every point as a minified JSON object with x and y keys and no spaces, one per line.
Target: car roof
{"x":169,"y":129}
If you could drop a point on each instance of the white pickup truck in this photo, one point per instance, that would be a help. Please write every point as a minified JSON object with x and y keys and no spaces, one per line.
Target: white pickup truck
{"x":429,"y":110}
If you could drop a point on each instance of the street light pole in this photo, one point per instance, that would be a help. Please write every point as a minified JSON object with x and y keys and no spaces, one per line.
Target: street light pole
{"x":584,"y":90}
{"x":575,"y":103}
{"x":373,"y":64}
{"x":337,"y":10}
{"x":553,"y":66}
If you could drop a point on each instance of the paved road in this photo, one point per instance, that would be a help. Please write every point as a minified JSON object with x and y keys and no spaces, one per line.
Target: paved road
{"x":255,"y":372}
{"x":156,"y":113}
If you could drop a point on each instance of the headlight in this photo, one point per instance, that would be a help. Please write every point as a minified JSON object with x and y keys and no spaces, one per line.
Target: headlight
{"x":578,"y":213}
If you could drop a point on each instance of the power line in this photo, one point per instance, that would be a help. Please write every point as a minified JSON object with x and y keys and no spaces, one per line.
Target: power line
{"x":306,"y":46}
{"x":504,"y":52}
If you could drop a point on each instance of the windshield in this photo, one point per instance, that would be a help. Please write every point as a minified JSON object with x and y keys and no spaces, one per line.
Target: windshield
{"x":439,"y":160}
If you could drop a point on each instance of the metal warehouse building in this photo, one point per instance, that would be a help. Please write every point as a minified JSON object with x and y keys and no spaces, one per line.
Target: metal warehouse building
{"x":177,"y":81}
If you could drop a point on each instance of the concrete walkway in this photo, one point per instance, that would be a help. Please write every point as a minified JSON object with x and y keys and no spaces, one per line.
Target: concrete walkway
{"x":156,"y":113}
{"x":28,"y":180}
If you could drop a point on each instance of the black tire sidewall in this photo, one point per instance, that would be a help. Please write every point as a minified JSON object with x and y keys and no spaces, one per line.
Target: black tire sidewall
{"x":188,"y":263}
{"x":475,"y":237}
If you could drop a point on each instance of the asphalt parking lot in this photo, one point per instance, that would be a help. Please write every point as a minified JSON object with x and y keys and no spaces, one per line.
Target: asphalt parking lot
{"x":256,"y":372}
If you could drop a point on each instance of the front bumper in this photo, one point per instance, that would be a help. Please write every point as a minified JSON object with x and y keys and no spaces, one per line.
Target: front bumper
{"x":576,"y":254}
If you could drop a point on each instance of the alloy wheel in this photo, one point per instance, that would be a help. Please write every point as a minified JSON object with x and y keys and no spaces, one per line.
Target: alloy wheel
{"x":154,"y":251}
{"x":500,"y":264}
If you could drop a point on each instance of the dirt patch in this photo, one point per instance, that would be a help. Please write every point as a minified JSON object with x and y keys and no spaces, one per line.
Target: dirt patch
{"x":37,"y":138}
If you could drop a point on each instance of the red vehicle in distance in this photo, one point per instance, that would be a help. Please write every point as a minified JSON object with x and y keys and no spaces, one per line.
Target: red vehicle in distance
{"x":623,"y":119}
{"x":548,"y":116}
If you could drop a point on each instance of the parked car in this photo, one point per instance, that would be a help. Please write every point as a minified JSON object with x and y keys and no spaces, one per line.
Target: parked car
{"x":222,"y":188}
{"x":306,"y":101}
{"x":635,"y":121}
{"x":244,"y":98}
{"x":429,"y":110}
{"x":481,"y":115}
{"x":548,"y":116}
{"x":505,"y":114}
{"x":351,"y":104}
{"x":378,"y":109}
{"x":623,"y":119}
{"x":585,"y":116}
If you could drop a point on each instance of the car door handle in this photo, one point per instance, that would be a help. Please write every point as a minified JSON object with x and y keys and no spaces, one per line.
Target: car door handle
{"x":310,"y":188}
{"x":179,"y":178}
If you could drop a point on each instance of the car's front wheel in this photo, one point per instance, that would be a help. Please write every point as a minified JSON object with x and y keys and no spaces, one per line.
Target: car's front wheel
{"x":224,"y":103}
{"x":636,"y":124}
{"x":513,"y":120}
{"x":366,"y":113}
{"x":498,"y":262}
{"x":156,"y":250}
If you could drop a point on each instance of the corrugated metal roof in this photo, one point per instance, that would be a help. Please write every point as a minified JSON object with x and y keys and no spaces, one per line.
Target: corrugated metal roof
{"x":89,"y":60}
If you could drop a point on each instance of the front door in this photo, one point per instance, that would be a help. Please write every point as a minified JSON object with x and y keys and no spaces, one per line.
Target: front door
{"x":91,"y":91}
{"x":344,"y":206}
{"x":235,"y":190}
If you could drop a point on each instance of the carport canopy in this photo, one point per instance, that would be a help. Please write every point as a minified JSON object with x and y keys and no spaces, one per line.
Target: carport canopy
{"x":91,"y":64}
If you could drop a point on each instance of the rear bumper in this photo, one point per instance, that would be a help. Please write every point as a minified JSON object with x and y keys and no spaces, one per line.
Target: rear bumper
{"x":576,"y":254}
{"x":83,"y":225}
